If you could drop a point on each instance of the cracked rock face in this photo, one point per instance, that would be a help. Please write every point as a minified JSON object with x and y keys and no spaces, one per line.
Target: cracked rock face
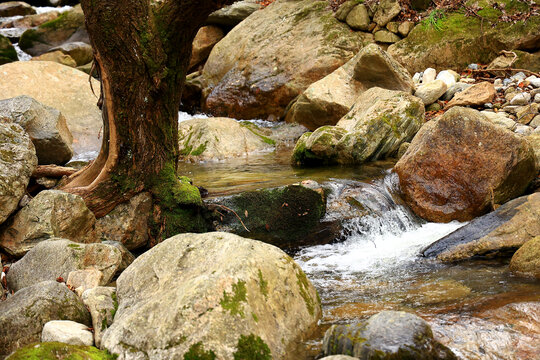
{"x":17,"y":162}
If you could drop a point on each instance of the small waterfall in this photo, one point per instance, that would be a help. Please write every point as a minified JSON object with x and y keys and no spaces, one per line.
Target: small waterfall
{"x":383,"y":239}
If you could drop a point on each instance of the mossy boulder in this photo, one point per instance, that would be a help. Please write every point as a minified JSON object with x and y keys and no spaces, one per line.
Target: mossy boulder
{"x":387,"y":335}
{"x":526,"y":261}
{"x":497,"y":234}
{"x":273,"y":56}
{"x":219,"y":138}
{"x":15,"y":8}
{"x":458,"y":40}
{"x":211,"y":296}
{"x":284,"y":216}
{"x":7,"y":51}
{"x":23,"y":315}
{"x":460,"y":165}
{"x":68,"y":27}
{"x":59,"y":351}
{"x":377,"y":124}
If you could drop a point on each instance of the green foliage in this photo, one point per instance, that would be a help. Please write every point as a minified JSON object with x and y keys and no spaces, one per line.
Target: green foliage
{"x":197,"y":352}
{"x":233,"y":302}
{"x":434,"y":19}
{"x":252,"y":347}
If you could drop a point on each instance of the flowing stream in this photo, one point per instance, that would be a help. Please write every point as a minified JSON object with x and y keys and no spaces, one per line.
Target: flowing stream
{"x":477,"y":308}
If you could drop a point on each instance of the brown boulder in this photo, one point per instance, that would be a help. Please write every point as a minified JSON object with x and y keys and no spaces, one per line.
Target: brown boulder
{"x":273,"y":56}
{"x":526,"y":261}
{"x":460,"y":165}
{"x":204,"y":41}
{"x":476,"y":95}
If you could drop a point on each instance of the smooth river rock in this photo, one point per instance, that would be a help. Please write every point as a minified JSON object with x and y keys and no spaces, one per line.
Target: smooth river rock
{"x":500,"y":232}
{"x":460,"y":165}
{"x":215,"y":294}
{"x":526,"y":261}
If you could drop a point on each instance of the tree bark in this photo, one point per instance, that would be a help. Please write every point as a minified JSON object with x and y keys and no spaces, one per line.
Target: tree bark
{"x":142,"y":50}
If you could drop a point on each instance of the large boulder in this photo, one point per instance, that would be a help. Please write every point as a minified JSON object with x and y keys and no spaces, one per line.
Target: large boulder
{"x":464,"y":40}
{"x":233,"y":14}
{"x":23,"y":315}
{"x":51,"y":350}
{"x":460,"y":165}
{"x":327,"y":100}
{"x":219,"y":138}
{"x":387,"y":335}
{"x":517,"y":59}
{"x":7,"y":51}
{"x":30,"y":20}
{"x":284,"y":217}
{"x":58,"y":57}
{"x":205,"y":40}
{"x":56,"y":258}
{"x":66,"y":28}
{"x":17,"y":162}
{"x":526,"y":261}
{"x":46,"y":127}
{"x":128,"y":222}
{"x":63,"y":88}
{"x":52,"y":213}
{"x":273,"y":56}
{"x":500,"y":232}
{"x":68,"y":332}
{"x":378,"y":123}
{"x":213,"y":294}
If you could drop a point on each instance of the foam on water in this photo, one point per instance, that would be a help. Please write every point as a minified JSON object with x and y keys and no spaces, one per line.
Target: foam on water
{"x":46,"y":9}
{"x":184,"y":116}
{"x":21,"y":54}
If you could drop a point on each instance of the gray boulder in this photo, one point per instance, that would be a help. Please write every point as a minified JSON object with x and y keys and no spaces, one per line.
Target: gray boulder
{"x":358,"y":18}
{"x":23,"y":315}
{"x":327,"y":100}
{"x":56,"y":258}
{"x":387,"y":335}
{"x":213,"y":293}
{"x":52,"y":213}
{"x":46,"y":127}
{"x":386,"y":11}
{"x":128,"y":222}
{"x":17,"y":162}
{"x":15,"y":8}
{"x":102,"y":303}
{"x":500,"y":232}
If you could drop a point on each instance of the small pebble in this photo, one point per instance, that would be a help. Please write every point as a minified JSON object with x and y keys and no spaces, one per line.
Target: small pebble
{"x":521,"y":99}
{"x":537,"y":98}
{"x":473,"y":66}
{"x":488,"y":105}
{"x":429,"y":75}
{"x":518,"y":77}
{"x":507,"y":82}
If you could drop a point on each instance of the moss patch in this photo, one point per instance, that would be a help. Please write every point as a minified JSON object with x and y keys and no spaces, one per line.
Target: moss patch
{"x":197,"y":352}
{"x":60,"y":351}
{"x":252,"y":347}
{"x":263,"y":284}
{"x":233,"y":302}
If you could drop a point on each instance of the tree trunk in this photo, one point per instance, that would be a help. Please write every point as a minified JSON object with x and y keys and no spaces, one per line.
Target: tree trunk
{"x":142,"y":50}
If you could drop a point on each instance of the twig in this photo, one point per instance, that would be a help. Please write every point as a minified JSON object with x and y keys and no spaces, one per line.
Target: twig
{"x":508,"y":69}
{"x":234,"y":212}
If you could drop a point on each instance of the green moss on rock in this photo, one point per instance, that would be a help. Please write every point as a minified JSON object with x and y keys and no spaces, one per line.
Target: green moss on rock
{"x":233,"y":302}
{"x":252,"y":347}
{"x":7,"y":51}
{"x":60,"y":351}
{"x":197,"y":352}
